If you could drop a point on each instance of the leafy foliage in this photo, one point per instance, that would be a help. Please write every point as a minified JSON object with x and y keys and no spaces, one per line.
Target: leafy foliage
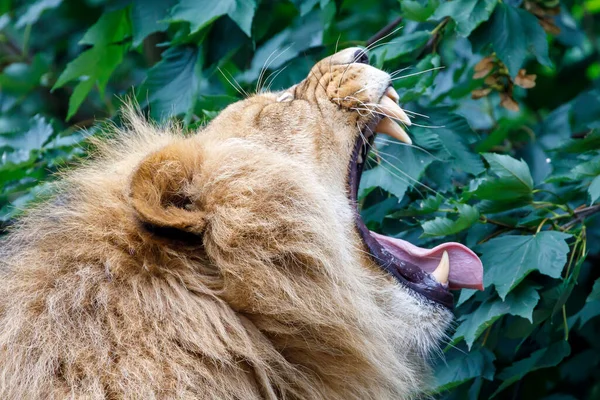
{"x":505,"y":97}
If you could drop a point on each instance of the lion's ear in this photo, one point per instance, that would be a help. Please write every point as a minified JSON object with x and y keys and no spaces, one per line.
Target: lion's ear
{"x":163,"y":193}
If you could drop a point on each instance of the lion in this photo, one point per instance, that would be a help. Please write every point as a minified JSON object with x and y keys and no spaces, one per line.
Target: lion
{"x":228,"y":264}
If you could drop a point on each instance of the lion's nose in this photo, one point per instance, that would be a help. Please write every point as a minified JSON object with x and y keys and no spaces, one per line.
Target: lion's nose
{"x":360,"y":56}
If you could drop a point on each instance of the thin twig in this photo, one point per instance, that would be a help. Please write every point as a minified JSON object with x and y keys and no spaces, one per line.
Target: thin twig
{"x":431,"y":45}
{"x":384,"y":31}
{"x":580,"y":214}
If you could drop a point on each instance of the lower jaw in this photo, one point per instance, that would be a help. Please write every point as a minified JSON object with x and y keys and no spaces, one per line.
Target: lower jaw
{"x":409,"y":275}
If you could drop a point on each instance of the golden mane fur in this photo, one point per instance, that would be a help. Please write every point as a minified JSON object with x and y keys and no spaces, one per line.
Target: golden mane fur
{"x":223,"y":265}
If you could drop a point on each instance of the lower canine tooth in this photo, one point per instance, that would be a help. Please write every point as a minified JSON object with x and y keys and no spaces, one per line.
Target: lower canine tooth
{"x":391,"y":128}
{"x":443,"y":269}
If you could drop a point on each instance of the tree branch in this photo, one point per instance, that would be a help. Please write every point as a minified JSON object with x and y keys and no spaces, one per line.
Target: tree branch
{"x":386,"y":30}
{"x":580,"y":214}
{"x":436,"y":35}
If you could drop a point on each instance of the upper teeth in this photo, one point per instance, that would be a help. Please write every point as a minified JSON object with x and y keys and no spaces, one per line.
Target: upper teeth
{"x":392,"y":94}
{"x":389,"y":107}
{"x":391,"y":128}
{"x":443,"y":269}
{"x":392,"y":109}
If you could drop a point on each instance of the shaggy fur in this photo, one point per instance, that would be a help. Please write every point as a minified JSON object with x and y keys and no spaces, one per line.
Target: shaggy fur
{"x":224,"y":265}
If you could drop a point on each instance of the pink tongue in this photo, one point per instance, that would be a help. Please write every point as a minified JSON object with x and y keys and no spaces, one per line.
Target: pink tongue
{"x":466,"y":270}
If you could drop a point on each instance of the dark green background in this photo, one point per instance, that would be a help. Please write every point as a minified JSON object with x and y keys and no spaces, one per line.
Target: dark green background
{"x":515,"y":174}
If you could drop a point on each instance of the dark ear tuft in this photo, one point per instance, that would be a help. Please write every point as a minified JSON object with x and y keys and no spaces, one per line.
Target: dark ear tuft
{"x":163,"y":195}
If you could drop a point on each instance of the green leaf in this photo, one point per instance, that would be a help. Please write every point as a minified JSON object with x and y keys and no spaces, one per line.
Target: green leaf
{"x":33,"y":139}
{"x":399,"y":169}
{"x":5,"y":6}
{"x":416,"y":81}
{"x":427,"y":206}
{"x":589,"y":310}
{"x":172,"y":84}
{"x":514,"y":34}
{"x":22,"y":78}
{"x":400,"y":46}
{"x":305,"y":6}
{"x":594,"y":189}
{"x":461,"y":367}
{"x":544,"y":358}
{"x":586,"y":169}
{"x":465,"y":294}
{"x":415,"y":10}
{"x":112,"y":27}
{"x":374,"y":216}
{"x":453,"y":131}
{"x":595,"y":294}
{"x":80,"y":92}
{"x":439,"y":226}
{"x":500,"y":132}
{"x":95,"y":66}
{"x":148,"y":17}
{"x":467,"y":14}
{"x":513,"y":182}
{"x":590,"y":142}
{"x":520,"y":302}
{"x":507,"y":167}
{"x":304,"y":34}
{"x":200,"y":13}
{"x":92,"y":67}
{"x":35,"y":11}
{"x":509,"y":259}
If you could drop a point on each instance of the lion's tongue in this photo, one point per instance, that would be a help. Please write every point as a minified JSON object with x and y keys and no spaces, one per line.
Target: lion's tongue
{"x":466,"y":270}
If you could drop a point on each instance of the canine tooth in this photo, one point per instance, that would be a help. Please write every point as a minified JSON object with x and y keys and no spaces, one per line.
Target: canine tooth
{"x":391,"y":128}
{"x":389,"y":106}
{"x":392,"y":94}
{"x":443,"y":269}
{"x":360,"y":159}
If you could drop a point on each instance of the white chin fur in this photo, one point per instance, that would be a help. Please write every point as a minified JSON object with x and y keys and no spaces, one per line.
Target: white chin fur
{"x":428,"y":323}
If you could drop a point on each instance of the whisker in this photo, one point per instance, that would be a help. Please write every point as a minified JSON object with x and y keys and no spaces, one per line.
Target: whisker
{"x":365,"y":50}
{"x":337,"y":42}
{"x":383,"y":44}
{"x":365,"y":87}
{"x":364,"y":139}
{"x":276,"y":74}
{"x":449,"y":344}
{"x":262,"y":70}
{"x":238,"y":88}
{"x":404,"y":173}
{"x":380,"y":139}
{"x":319,"y":80}
{"x":412,"y":113}
{"x":415,"y":113}
{"x":429,"y":126}
{"x":418,"y":73}
{"x":400,"y":178}
{"x":399,"y":71}
{"x":266,"y":67}
{"x":369,"y":47}
{"x":377,"y":111}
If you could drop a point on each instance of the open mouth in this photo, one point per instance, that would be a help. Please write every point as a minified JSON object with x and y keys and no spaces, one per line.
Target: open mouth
{"x":429,"y":272}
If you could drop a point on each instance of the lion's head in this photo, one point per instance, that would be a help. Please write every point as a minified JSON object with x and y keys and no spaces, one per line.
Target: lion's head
{"x":240,"y":262}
